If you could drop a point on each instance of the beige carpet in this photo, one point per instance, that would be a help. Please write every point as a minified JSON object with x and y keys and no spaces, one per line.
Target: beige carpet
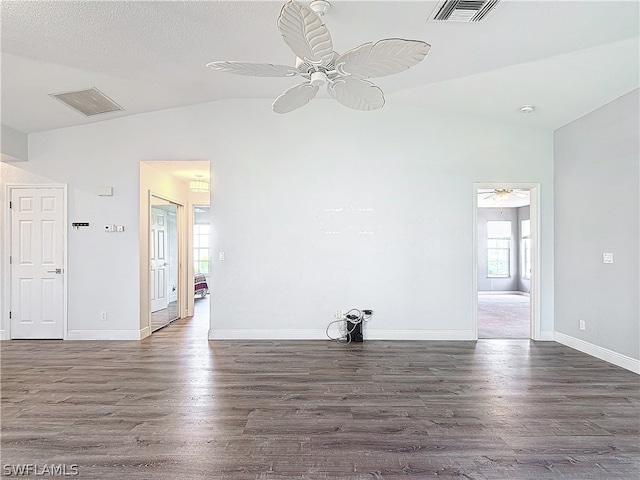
{"x":503,"y":316}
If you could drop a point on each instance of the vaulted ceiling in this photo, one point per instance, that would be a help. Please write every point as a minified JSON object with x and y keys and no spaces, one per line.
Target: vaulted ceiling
{"x":566,"y":58}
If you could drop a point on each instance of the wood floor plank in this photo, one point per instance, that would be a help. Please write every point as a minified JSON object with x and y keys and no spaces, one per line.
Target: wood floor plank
{"x":178,"y":406}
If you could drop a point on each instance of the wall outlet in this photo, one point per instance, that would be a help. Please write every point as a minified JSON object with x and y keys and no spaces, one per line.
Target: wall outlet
{"x":607,"y":257}
{"x":103,"y":315}
{"x":337,"y":314}
{"x":583,"y":325}
{"x":109,"y":228}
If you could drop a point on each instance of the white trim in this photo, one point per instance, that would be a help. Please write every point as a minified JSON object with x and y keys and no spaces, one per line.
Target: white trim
{"x":503,"y":292}
{"x":145,"y":332}
{"x":103,"y":335}
{"x":3,"y":335}
{"x":418,"y":335}
{"x":546,"y":336}
{"x":605,"y":354}
{"x":320,"y":334}
{"x":264,"y":334}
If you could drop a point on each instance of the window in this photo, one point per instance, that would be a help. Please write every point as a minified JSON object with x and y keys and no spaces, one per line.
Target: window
{"x":498,"y":248}
{"x":525,"y":241}
{"x":201,"y":260}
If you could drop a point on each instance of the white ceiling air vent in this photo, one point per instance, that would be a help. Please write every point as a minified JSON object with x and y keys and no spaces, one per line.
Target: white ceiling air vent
{"x":88,"y":102}
{"x":463,"y":10}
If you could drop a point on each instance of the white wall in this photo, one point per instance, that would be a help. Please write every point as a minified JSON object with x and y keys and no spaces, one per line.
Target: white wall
{"x":282,"y":187}
{"x":14,"y":145}
{"x":597,"y":180}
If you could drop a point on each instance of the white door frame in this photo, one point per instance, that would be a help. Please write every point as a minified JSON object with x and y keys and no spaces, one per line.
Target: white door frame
{"x":182,"y":258}
{"x":534,"y":296}
{"x":7,"y":241}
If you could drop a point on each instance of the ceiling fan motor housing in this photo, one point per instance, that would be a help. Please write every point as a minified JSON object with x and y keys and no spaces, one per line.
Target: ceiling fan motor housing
{"x":319,"y":6}
{"x":318,"y":78}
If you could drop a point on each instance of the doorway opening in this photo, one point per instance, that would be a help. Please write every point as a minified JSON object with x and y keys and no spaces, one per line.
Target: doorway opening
{"x":201,"y":262}
{"x":169,"y":191}
{"x":505,"y":265}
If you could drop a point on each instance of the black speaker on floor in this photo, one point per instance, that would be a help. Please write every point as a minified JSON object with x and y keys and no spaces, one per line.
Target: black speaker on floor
{"x":356,"y":331}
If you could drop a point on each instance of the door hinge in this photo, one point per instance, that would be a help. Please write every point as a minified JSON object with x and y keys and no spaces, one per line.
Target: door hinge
{"x":10,"y":259}
{"x":9,"y":315}
{"x":10,"y":204}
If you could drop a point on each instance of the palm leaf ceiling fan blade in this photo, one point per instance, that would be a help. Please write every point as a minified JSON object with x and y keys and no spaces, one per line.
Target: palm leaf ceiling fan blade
{"x":303,"y":30}
{"x":385,"y":57}
{"x":356,"y":94}
{"x":254,"y":69}
{"x":295,"y":97}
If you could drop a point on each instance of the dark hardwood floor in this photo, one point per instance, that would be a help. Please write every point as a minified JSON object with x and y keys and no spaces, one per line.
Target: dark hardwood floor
{"x":176,"y":406}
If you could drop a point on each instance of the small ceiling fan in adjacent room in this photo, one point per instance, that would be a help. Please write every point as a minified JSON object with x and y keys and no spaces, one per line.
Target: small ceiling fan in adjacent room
{"x":345,"y":75}
{"x":503,"y":194}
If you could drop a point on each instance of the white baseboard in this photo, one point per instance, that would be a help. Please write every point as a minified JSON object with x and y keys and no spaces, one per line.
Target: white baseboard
{"x":3,"y":335}
{"x":418,"y":334}
{"x":103,"y":335}
{"x":503,"y":292}
{"x":145,"y":332}
{"x":546,"y":336}
{"x":314,"y":334}
{"x":605,"y":354}
{"x":256,"y":334}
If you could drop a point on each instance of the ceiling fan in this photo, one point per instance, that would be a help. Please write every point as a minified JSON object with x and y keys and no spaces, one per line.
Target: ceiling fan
{"x":503,"y":194}
{"x":304,"y":32}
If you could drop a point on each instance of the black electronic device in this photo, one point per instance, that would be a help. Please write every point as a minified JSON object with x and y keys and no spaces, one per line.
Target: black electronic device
{"x":354,"y":329}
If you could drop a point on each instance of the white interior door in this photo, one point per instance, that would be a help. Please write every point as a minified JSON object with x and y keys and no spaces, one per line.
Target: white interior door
{"x":37,"y":261}
{"x":158,"y":250}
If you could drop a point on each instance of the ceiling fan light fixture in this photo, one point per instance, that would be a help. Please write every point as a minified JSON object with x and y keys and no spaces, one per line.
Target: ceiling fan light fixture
{"x":501,"y":196}
{"x":198,"y":186}
{"x":318,"y":78}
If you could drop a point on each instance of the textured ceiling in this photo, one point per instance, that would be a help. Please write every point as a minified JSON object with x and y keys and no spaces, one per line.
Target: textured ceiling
{"x":567,"y":58}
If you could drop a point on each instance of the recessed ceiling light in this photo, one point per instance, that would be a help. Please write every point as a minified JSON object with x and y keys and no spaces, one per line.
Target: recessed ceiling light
{"x":526,"y":108}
